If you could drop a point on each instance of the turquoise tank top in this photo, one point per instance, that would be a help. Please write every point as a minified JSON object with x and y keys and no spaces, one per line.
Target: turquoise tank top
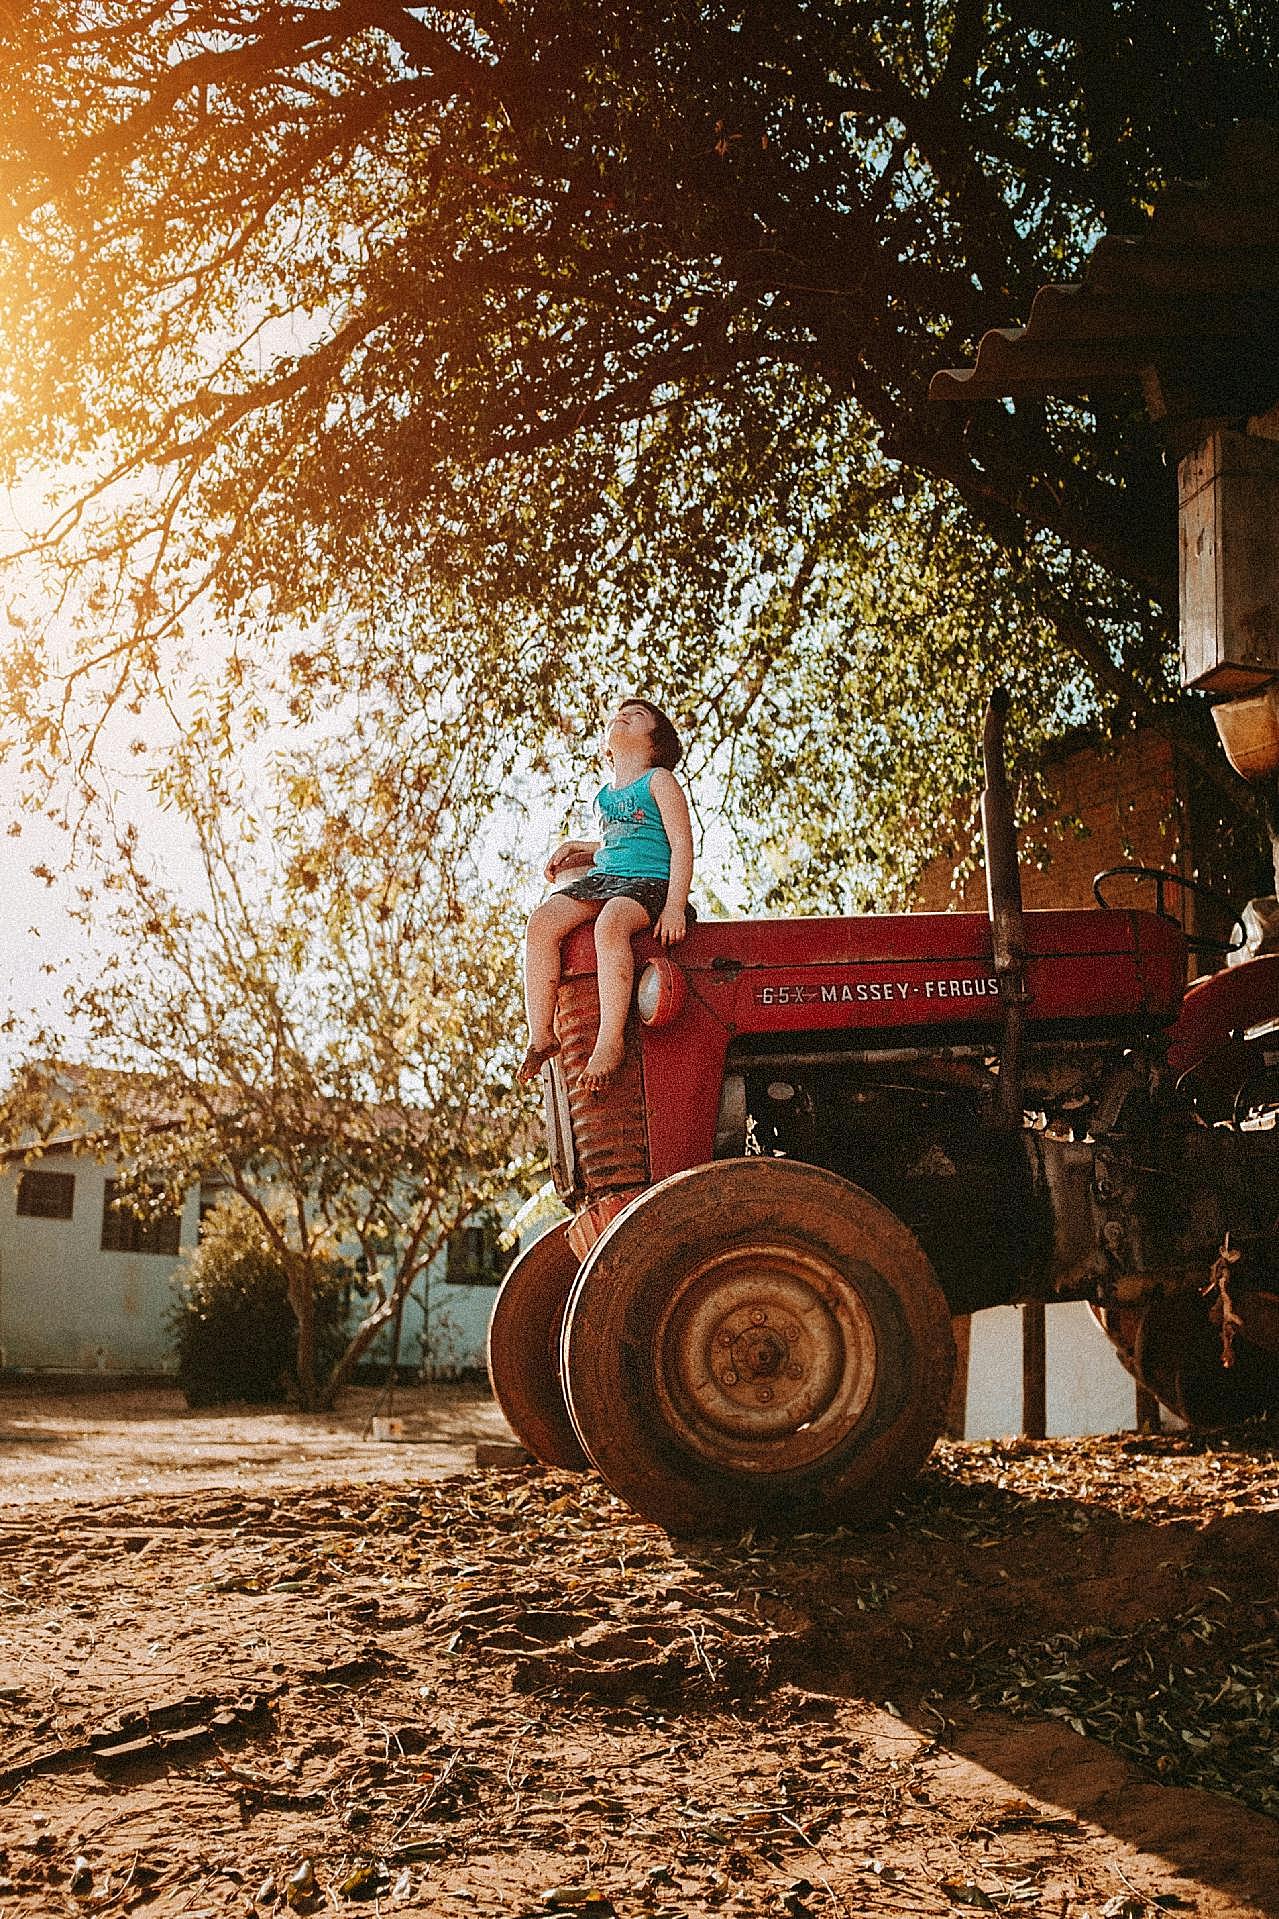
{"x":635,"y":842}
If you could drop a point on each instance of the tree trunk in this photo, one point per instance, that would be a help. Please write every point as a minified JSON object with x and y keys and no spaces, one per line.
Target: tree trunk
{"x":302,"y":1300}
{"x":362,"y":1338}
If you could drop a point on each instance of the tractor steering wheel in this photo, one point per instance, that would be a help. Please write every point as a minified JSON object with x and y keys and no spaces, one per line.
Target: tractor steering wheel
{"x":1163,"y":876}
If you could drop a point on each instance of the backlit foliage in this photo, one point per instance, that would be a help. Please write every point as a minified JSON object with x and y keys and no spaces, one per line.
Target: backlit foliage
{"x":561,"y":347}
{"x":319,"y":1018}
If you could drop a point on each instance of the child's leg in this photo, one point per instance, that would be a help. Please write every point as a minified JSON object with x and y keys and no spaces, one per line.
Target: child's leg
{"x":619,"y":921}
{"x":548,"y":928}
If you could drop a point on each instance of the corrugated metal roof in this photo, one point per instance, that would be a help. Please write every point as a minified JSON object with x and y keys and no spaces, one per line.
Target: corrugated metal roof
{"x":1191,"y":306}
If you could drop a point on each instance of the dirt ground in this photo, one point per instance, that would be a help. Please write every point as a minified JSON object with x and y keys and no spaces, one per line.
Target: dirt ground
{"x":85,"y":1445}
{"x":263,"y":1665}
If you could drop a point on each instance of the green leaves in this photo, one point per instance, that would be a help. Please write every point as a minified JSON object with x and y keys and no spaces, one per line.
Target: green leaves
{"x":521,"y":353}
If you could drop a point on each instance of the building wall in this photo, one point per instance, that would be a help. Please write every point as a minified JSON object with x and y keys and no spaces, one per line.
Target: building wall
{"x":1104,"y":809}
{"x":67,"y":1306}
{"x":1088,"y":1390}
{"x":1124,"y":807}
{"x":445,"y":1328}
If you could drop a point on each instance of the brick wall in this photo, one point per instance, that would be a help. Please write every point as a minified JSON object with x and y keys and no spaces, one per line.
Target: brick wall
{"x":1121,"y":807}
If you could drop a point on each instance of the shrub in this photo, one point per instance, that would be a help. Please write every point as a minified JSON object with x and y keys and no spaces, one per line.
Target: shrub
{"x":235,"y":1332}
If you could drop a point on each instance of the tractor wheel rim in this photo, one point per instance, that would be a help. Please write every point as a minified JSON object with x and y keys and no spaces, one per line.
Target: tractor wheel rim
{"x":766,"y":1357}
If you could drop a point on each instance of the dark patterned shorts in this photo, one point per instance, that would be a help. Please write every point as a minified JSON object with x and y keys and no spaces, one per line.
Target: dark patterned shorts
{"x":600,"y":887}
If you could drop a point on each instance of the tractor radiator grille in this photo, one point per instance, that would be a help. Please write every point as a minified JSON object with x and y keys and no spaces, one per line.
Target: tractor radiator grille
{"x":608,"y":1131}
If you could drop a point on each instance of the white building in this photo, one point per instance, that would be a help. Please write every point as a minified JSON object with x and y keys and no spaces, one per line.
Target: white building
{"x":1088,"y":1390}
{"x":88,"y":1288}
{"x":84,"y":1287}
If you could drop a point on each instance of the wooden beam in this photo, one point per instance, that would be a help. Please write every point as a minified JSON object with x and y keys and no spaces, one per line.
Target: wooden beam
{"x":1034,"y":1370}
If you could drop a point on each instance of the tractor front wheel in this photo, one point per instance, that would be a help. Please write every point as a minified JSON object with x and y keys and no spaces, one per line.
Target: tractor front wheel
{"x":524,"y":1350}
{"x":757,"y":1341}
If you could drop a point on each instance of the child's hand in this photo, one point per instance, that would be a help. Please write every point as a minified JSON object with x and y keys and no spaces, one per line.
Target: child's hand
{"x":570,"y":853}
{"x":672,"y":924}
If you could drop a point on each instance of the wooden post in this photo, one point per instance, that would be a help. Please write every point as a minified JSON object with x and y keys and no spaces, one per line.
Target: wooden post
{"x":1034,"y":1370}
{"x":1229,"y":588}
{"x":1149,"y":1417}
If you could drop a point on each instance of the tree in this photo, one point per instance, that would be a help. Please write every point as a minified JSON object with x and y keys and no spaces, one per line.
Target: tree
{"x":234,"y":1330}
{"x":572,"y":341}
{"x":314,"y":1021}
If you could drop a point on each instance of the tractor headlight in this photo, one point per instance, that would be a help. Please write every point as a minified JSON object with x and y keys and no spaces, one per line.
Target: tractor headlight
{"x":661,"y":993}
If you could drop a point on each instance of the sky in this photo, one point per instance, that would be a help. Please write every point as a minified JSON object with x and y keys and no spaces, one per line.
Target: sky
{"x":42,"y":947}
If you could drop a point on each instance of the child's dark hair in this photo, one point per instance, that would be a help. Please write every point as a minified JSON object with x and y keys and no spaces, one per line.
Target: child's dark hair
{"x":668,"y":748}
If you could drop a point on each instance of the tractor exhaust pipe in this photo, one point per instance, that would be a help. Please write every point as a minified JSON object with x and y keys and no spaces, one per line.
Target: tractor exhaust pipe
{"x":1008,"y":940}
{"x":1003,"y":896}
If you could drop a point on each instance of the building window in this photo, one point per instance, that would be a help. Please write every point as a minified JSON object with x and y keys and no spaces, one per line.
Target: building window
{"x":474,"y":1256}
{"x":124,"y":1232}
{"x":212,"y":1194}
{"x":46,"y":1195}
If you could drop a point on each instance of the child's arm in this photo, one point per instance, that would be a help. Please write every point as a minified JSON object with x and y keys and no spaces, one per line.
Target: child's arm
{"x":672,"y":923}
{"x":571,"y":853}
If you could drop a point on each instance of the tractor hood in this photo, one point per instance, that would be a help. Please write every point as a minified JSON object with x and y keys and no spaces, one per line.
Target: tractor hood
{"x":919,"y":969}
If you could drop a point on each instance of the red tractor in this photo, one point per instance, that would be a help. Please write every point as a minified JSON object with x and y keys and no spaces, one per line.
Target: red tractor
{"x":830,"y":1136}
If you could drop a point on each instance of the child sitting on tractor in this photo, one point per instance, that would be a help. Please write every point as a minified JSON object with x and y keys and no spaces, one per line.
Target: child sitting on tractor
{"x":640,"y":870}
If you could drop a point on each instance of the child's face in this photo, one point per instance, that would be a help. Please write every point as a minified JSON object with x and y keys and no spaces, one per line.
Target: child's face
{"x":631,"y":727}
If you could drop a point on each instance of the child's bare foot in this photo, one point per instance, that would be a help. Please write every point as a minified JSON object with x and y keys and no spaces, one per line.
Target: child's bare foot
{"x":601,"y":1066}
{"x":534,"y":1060}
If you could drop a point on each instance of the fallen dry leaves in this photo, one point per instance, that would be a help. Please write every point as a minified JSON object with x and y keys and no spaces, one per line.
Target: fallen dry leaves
{"x":503,"y":1693}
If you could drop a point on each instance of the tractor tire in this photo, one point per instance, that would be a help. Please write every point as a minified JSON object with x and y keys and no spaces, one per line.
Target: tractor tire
{"x":524,"y":1350}
{"x":757,"y":1342}
{"x":1171,"y":1347}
